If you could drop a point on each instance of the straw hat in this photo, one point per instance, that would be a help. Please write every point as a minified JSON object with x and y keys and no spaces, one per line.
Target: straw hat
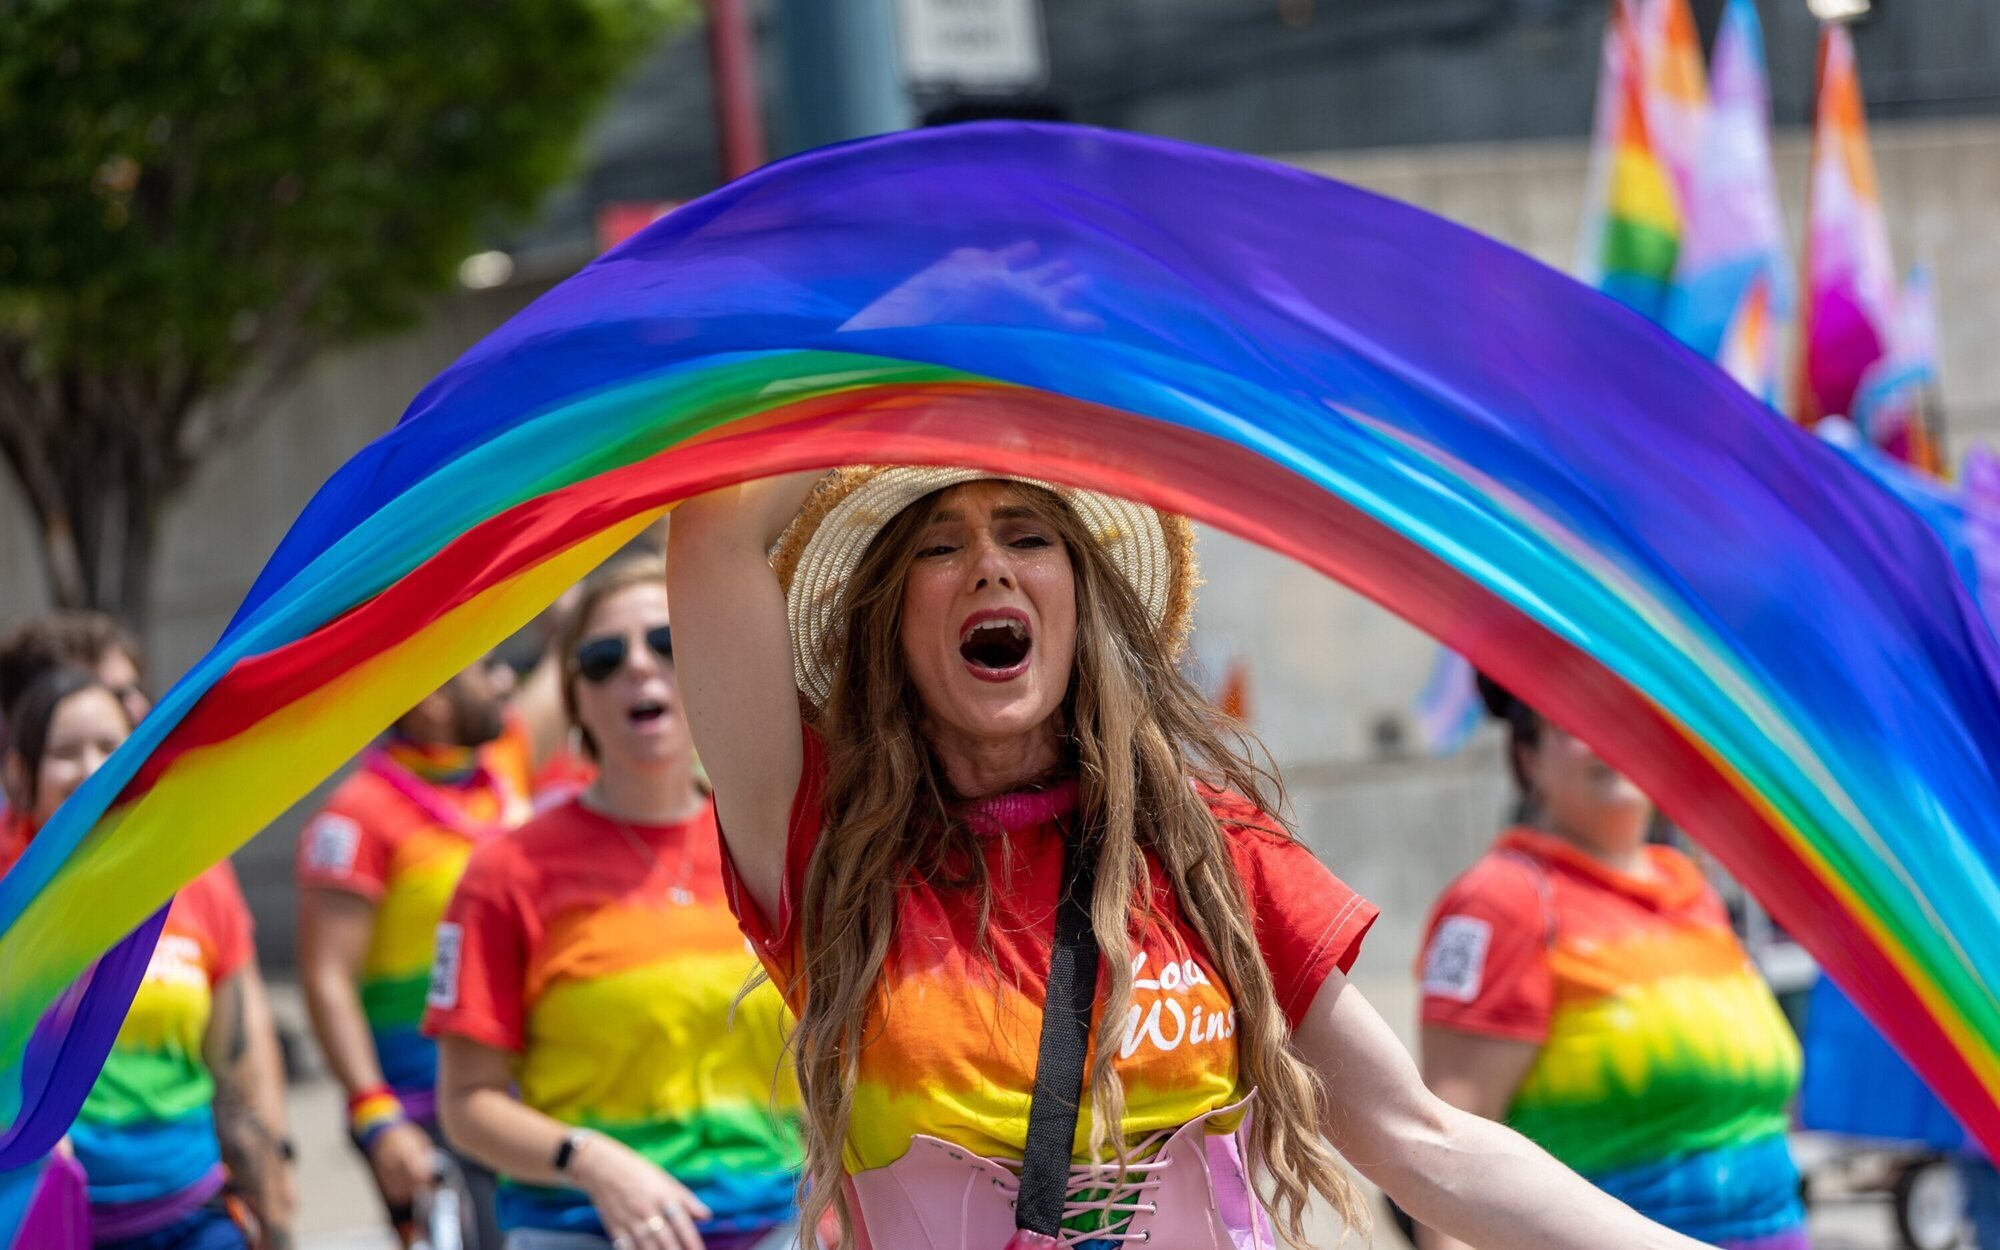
{"x":821,"y":548}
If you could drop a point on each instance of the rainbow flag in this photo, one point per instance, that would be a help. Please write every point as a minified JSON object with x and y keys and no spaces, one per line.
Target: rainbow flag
{"x":1965,"y":515}
{"x":1213,"y":334}
{"x":1733,"y":275}
{"x":1849,"y":303}
{"x":1632,"y":216}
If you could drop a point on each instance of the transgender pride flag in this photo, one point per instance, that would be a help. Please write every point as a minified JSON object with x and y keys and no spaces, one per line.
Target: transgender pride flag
{"x":1733,"y":279}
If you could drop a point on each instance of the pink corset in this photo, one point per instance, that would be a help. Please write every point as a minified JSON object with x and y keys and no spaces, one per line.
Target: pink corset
{"x":1187,"y":1189}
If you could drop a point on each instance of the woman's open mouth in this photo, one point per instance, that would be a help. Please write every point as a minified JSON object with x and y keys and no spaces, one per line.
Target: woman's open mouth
{"x":996,"y":644}
{"x":646,"y":713}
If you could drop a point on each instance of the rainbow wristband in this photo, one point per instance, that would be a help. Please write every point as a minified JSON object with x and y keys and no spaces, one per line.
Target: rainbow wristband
{"x":371,"y":1113}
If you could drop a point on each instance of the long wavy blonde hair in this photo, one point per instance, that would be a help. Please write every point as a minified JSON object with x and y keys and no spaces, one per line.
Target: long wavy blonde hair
{"x":1134,"y":730}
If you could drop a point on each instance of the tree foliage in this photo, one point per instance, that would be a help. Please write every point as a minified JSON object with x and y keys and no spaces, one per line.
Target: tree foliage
{"x":196,"y":196}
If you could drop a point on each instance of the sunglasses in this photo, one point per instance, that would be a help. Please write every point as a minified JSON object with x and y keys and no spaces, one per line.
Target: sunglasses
{"x":599,"y":658}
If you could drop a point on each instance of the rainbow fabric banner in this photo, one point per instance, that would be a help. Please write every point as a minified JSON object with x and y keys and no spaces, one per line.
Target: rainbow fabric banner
{"x":1632,"y":212}
{"x":1733,"y":274}
{"x":1732,"y":613}
{"x":1849,"y":302}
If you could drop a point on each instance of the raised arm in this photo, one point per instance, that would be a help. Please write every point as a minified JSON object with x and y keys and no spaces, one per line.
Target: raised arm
{"x":733,"y":655}
{"x":1454,"y":1171}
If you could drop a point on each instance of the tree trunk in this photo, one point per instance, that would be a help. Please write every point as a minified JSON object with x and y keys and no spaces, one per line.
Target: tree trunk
{"x":94,"y":458}
{"x":97,"y":536}
{"x":62,"y":567}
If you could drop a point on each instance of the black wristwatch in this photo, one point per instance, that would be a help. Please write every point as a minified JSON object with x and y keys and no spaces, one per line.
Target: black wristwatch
{"x":566,"y":1153}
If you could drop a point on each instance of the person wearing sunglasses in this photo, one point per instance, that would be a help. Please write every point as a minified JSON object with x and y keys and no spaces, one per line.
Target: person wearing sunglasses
{"x":375,"y":868}
{"x":585,"y":996}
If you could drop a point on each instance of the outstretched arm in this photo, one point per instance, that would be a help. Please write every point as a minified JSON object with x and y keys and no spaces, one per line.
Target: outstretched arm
{"x":733,"y":654}
{"x":1457,"y":1172}
{"x":1476,"y":1074}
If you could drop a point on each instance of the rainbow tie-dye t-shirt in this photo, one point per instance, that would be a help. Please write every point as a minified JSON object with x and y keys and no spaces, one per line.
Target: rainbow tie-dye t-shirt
{"x":1665,"y":1069}
{"x":405,"y":854}
{"x":146,"y":1134}
{"x":952,"y":1052}
{"x":604,"y":956}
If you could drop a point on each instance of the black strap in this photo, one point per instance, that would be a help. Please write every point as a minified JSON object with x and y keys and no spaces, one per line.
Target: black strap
{"x":1052,"y":1115}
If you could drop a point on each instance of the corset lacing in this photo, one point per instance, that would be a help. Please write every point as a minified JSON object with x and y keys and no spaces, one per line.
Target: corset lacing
{"x":1111,"y":1193}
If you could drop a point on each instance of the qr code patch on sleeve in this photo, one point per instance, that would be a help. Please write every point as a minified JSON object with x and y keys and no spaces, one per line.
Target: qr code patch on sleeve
{"x":331,"y":843}
{"x":444,"y":967}
{"x":1456,"y":961}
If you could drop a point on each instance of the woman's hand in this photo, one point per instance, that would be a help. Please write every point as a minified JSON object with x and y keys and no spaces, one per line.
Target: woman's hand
{"x":642,"y":1207}
{"x":405,"y":1162}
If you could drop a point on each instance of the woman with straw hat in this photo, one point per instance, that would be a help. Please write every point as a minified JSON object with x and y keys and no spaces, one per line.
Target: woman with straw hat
{"x":1045,"y":941}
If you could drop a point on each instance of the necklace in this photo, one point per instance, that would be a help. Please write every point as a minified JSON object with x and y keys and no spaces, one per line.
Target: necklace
{"x":678,"y":893}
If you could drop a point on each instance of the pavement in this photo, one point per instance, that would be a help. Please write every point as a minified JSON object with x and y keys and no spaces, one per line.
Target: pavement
{"x":338,"y":1208}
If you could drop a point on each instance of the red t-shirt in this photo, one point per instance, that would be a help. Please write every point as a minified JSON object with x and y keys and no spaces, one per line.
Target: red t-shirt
{"x":402,"y":843}
{"x":145,"y":1135}
{"x":1533,"y":926}
{"x":1663,"y":1068}
{"x":953,"y":1052}
{"x":14,"y":837}
{"x":603,"y":955}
